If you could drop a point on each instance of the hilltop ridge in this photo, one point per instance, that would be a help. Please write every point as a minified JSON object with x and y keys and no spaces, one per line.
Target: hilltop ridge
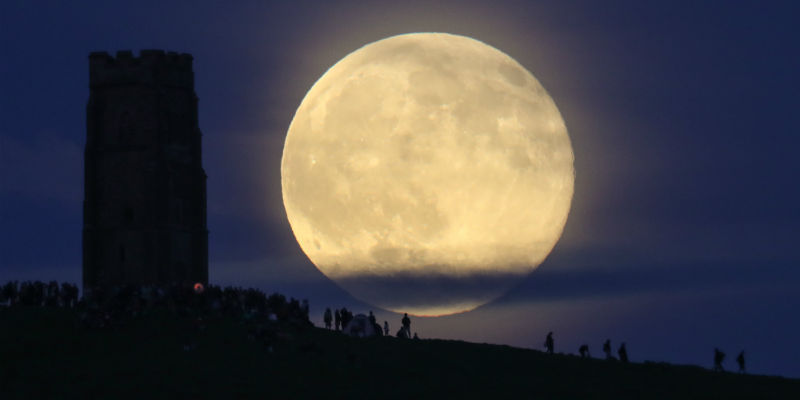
{"x":47,"y":353}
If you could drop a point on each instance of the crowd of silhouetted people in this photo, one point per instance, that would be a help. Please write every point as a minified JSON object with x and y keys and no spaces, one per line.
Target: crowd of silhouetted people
{"x":107,"y":307}
{"x":118,"y":303}
{"x":37,"y":293}
{"x":340,"y":319}
{"x":103,"y":308}
{"x":622,"y":353}
{"x":719,"y":357}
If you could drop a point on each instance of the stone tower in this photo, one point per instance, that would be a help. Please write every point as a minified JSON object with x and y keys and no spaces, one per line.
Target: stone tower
{"x":144,"y":216}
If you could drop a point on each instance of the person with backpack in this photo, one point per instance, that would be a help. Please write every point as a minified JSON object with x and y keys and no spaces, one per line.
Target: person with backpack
{"x":719,"y":356}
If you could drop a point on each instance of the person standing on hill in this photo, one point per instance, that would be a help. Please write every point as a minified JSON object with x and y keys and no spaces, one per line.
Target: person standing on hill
{"x":337,"y":319}
{"x":386,"y":328}
{"x":328,"y":318}
{"x":549,"y":344}
{"x":740,"y":361}
{"x":623,"y":353}
{"x":407,"y":324}
{"x":345,"y":316}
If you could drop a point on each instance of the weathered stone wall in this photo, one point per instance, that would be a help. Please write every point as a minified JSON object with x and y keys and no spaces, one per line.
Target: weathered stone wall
{"x":145,"y":188}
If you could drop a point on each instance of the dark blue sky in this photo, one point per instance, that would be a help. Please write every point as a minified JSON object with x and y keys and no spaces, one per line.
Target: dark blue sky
{"x":683,"y":117}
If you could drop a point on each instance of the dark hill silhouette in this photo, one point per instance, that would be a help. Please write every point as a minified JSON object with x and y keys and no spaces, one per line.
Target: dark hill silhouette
{"x":47,"y":352}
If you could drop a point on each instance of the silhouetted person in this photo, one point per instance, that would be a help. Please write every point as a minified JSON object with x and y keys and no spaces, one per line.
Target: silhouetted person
{"x":402,"y":333}
{"x":607,"y":349}
{"x":328,"y":318}
{"x":719,"y":356}
{"x":372,"y":318}
{"x":623,"y":353}
{"x":415,"y":336}
{"x":305,"y":307}
{"x":407,"y":324}
{"x":386,"y":328}
{"x":584,"y":351}
{"x":52,"y":294}
{"x":346,"y":316}
{"x":337,"y":318}
{"x":740,"y":361}
{"x":549,"y":344}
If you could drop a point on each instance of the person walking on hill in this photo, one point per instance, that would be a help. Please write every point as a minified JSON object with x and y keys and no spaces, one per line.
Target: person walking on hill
{"x":607,"y":349}
{"x":719,"y":356}
{"x":623,"y":353}
{"x":549,"y":344}
{"x":328,"y":318}
{"x":740,"y":361}
{"x":584,"y":351}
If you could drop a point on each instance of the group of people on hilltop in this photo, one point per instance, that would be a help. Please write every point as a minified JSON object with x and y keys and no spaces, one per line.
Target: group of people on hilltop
{"x":339,"y":319}
{"x":719,"y":357}
{"x":37,"y":293}
{"x":583,"y":350}
{"x":101,"y":307}
{"x":115,"y":306}
{"x":622,"y":352}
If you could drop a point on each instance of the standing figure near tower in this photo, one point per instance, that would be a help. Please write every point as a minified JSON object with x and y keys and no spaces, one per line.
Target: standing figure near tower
{"x":144,"y":210}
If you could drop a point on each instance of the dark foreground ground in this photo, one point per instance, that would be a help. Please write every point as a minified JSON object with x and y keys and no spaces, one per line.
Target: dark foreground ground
{"x":47,"y":353}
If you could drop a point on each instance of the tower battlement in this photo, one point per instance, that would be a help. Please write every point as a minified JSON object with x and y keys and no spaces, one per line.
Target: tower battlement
{"x":152,"y":67}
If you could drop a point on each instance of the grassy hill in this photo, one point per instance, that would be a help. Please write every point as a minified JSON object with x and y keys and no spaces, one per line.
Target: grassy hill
{"x":47,"y":353}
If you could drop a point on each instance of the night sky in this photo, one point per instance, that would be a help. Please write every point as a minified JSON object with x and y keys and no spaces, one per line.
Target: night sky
{"x":683,"y":117}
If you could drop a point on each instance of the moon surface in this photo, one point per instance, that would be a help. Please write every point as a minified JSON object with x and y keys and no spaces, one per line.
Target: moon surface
{"x":427,"y":173}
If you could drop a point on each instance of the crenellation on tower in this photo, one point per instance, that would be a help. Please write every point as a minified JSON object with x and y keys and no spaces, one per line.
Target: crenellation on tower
{"x":152,"y":67}
{"x":145,"y":187}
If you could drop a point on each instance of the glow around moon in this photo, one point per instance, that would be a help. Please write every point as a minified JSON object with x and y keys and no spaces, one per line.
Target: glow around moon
{"x":427,"y":173}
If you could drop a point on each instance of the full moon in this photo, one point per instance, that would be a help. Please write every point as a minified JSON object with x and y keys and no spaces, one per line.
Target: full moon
{"x":427,"y":173}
